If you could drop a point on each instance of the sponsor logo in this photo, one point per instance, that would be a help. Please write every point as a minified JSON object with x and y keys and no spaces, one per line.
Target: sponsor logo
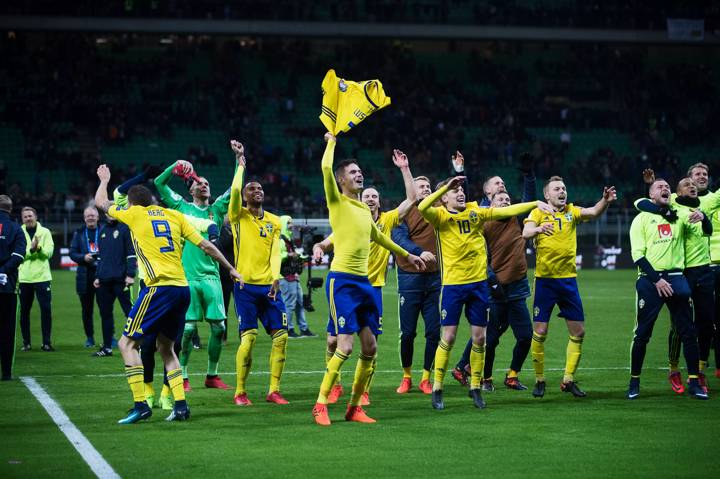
{"x":664,"y":231}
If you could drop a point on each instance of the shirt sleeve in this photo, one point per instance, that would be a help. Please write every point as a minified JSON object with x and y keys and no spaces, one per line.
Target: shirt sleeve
{"x":637,"y":241}
{"x":535,"y":216}
{"x":382,"y":239}
{"x":47,"y":245}
{"x":508,"y":211}
{"x":275,"y":260}
{"x":17,"y":255}
{"x":167,"y":195}
{"x":577,"y":214}
{"x":122,"y":214}
{"x":332,"y":193}
{"x":188,"y":231}
{"x":432,"y":214}
{"x":712,"y":204}
{"x":401,"y":236}
{"x":235,"y":204}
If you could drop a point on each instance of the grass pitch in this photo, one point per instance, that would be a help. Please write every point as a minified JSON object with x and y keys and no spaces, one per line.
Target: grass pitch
{"x":604,"y":435}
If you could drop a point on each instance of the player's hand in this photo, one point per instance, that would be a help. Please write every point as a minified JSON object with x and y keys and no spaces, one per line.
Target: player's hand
{"x":609,"y":194}
{"x":546,"y":229}
{"x":458,"y":162}
{"x":317,"y":254}
{"x":400,"y":159}
{"x":129,"y":280}
{"x":648,"y":176}
{"x":96,"y":283}
{"x":428,"y":257}
{"x":185,"y":168}
{"x":456,"y":182}
{"x":696,"y":216}
{"x":103,"y":173}
{"x":329,"y":137}
{"x":663,"y":288}
{"x":239,"y":151}
{"x":237,"y":277}
{"x":545,"y":208}
{"x":417,"y":262}
{"x":34,"y":244}
{"x":274,"y":288}
{"x":88,"y":258}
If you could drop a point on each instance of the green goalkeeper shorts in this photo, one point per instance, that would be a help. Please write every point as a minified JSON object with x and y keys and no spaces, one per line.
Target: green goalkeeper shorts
{"x":206,"y":300}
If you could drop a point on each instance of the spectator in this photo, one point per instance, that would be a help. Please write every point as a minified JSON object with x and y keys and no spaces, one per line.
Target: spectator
{"x":290,"y":289}
{"x":84,"y":251}
{"x":35,"y":278}
{"x":12,"y":254}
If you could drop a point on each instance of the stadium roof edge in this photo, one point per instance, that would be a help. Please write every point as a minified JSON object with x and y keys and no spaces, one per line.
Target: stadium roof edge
{"x":341,"y":29}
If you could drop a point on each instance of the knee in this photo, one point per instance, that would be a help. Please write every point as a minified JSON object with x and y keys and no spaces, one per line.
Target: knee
{"x":407,"y":335}
{"x":540,"y":328}
{"x":449,"y":337}
{"x":331,"y":343}
{"x":190,"y":328}
{"x":125,"y":345}
{"x":479,"y":338}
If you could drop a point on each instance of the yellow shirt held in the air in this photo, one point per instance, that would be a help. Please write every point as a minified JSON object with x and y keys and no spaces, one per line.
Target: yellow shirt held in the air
{"x":157,"y":235}
{"x":555,"y":254}
{"x":256,"y":240}
{"x":346,"y":103}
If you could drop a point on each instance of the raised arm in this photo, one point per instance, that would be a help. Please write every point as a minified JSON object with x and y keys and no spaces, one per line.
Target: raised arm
{"x":401,"y":161}
{"x":512,"y":210}
{"x":332,"y":192}
{"x":167,"y":194}
{"x":427,"y":210}
{"x":609,"y":195}
{"x":101,"y":195}
{"x":237,"y":183}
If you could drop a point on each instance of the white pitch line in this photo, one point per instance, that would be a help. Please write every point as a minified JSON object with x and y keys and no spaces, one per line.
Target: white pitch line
{"x":98,"y":465}
{"x":265,"y":373}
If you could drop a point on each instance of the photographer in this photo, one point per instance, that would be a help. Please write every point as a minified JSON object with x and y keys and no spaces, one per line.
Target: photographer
{"x":84,"y":251}
{"x":290,"y":269}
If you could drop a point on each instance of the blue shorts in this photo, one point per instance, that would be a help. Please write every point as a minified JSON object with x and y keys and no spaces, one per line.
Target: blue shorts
{"x":474,"y":296}
{"x":352,"y":303}
{"x":158,"y":309}
{"x":252,"y":303}
{"x":377,"y":291}
{"x":561,"y":291}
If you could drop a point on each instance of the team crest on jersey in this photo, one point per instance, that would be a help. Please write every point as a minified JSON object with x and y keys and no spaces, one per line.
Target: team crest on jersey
{"x":342,"y":86}
{"x":568,"y":217}
{"x":443,"y":313}
{"x":474,"y":217}
{"x":402,"y":300}
{"x":341,"y":321}
{"x":211,"y":216}
{"x":116,"y":233}
{"x":536,"y":312}
{"x":665,"y":231}
{"x":269,"y":227}
{"x":641,"y":304}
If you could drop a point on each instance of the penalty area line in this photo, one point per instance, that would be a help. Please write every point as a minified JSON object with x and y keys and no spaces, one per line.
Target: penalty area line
{"x":98,"y":465}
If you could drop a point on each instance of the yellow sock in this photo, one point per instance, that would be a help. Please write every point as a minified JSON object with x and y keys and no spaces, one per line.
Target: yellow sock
{"x":407,"y":372}
{"x":703,"y":365}
{"x":425,"y":375}
{"x":277,"y":358}
{"x":512,"y":373}
{"x":537,"y":349}
{"x":331,"y":374}
{"x":363,"y":371}
{"x":328,"y":356}
{"x":134,"y":375}
{"x":175,"y":380}
{"x":165,"y":391}
{"x":370,"y":378}
{"x":243,"y":359}
{"x":149,"y":390}
{"x":442,"y":358}
{"x":477,"y":365}
{"x":574,"y":352}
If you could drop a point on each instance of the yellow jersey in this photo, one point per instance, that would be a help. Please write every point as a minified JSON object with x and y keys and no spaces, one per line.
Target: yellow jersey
{"x":157,"y":235}
{"x":555,"y":254}
{"x":461,"y":245}
{"x":352,"y":225}
{"x":346,"y":103}
{"x":256,"y":240}
{"x":378,"y":258}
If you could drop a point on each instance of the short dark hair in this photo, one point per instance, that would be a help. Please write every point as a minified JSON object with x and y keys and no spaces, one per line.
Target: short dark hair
{"x":5,"y":203}
{"x":340,"y":167}
{"x":140,"y":195}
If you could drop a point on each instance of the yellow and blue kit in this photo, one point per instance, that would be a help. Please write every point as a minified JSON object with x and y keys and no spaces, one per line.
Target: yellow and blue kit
{"x":157,"y":237}
{"x":555,"y":270}
{"x":346,"y":103}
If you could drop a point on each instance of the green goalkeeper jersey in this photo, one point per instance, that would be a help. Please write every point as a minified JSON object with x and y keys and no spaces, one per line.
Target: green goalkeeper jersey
{"x":197,"y":264}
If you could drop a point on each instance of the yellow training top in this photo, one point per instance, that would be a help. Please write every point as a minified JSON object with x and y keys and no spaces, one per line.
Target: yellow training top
{"x":461,"y":244}
{"x":256,"y":240}
{"x":352,"y":225}
{"x":346,"y":103}
{"x":556,"y":253}
{"x":157,"y":235}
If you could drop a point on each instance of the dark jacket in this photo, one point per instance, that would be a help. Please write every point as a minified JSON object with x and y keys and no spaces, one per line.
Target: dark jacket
{"x":12,"y":251}
{"x":83,"y":240}
{"x":117,"y":258}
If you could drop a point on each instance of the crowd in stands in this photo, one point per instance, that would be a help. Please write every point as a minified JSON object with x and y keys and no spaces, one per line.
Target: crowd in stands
{"x":65,"y":89}
{"x":547,"y":13}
